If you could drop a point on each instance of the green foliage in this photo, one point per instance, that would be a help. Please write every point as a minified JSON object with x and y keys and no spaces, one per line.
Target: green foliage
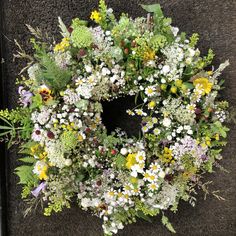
{"x":28,"y":159}
{"x":26,"y":191}
{"x":142,"y":215}
{"x":81,"y":37}
{"x":25,"y":174}
{"x":217,"y":127}
{"x":68,"y":140}
{"x":158,"y":41}
{"x":120,"y":161}
{"x":165,"y":221}
{"x":16,"y":123}
{"x":209,"y":58}
{"x":37,"y":101}
{"x":56,"y":206}
{"x":125,"y":216}
{"x":194,"y":40}
{"x":162,"y":25}
{"x":145,"y":209}
{"x":17,"y":120}
{"x":49,"y":73}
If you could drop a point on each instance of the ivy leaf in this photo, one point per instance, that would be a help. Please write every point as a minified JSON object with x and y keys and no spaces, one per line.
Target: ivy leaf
{"x":25,"y":174}
{"x":165,"y":221}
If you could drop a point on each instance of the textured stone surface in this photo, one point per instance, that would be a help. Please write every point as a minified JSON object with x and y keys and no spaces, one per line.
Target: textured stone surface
{"x":215,"y":20}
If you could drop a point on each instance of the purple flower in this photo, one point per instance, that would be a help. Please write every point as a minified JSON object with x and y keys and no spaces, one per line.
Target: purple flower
{"x":25,"y":96}
{"x":37,"y":191}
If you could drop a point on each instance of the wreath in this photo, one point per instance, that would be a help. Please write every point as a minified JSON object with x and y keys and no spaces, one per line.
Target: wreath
{"x":66,"y":152}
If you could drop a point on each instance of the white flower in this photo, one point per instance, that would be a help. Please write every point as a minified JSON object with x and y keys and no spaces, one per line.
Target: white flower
{"x":84,"y":90}
{"x":156,"y":131}
{"x":162,"y":174}
{"x":140,"y":112}
{"x":165,"y":69}
{"x":85,"y":202}
{"x":123,"y":151}
{"x":68,"y":162}
{"x":175,"y":30}
{"x":105,"y":71}
{"x":166,"y":122}
{"x":150,"y":91}
{"x":88,"y":68}
{"x":40,"y":167}
{"x":163,"y":81}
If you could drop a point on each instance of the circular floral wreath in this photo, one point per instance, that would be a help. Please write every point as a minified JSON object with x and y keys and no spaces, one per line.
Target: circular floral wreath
{"x":67,"y":151}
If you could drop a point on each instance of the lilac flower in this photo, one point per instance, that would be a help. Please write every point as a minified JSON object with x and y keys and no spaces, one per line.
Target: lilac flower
{"x":25,"y":96}
{"x":37,"y":191}
{"x":190,"y":146}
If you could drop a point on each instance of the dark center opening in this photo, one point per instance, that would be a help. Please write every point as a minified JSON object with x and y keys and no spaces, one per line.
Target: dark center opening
{"x":115,"y":116}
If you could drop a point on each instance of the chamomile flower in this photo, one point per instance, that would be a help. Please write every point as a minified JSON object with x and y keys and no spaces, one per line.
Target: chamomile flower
{"x":150,"y":91}
{"x":140,"y":112}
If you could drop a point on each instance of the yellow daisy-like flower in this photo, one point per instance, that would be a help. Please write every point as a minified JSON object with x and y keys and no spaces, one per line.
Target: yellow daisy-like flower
{"x":96,"y":16}
{"x":131,"y":160}
{"x":153,"y":186}
{"x":203,"y":84}
{"x":60,"y":47}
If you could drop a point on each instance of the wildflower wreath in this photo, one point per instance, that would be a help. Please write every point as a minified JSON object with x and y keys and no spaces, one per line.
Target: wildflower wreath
{"x":67,"y":153}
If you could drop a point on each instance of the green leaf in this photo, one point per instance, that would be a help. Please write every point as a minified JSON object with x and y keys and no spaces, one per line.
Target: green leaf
{"x":5,"y":127}
{"x":165,"y":221}
{"x":141,"y":215}
{"x":153,"y":8}
{"x":25,"y":174}
{"x":120,"y":161}
{"x":6,"y":121}
{"x":188,"y":85}
{"x":36,"y":101}
{"x":30,"y":160}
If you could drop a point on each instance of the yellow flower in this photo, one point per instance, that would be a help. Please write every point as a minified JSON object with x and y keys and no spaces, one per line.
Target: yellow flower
{"x":173,"y":89}
{"x":210,"y":72}
{"x":208,"y":141}
{"x":166,"y":156}
{"x":60,"y":47}
{"x":203,"y":84}
{"x":130,"y":160}
{"x":178,"y":83}
{"x":96,"y":16}
{"x":80,"y":137}
{"x":151,"y":104}
{"x":43,"y":175}
{"x":45,"y":93}
{"x":149,"y":55}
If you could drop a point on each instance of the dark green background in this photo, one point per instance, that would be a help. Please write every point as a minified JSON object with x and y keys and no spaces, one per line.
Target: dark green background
{"x":215,"y":20}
